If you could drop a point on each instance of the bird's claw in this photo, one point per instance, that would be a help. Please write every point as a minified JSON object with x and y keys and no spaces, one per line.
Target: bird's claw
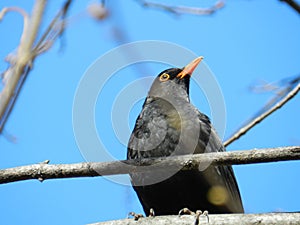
{"x":135,"y":216}
{"x":152,"y":213}
{"x":185,"y":211}
{"x":198,"y":213}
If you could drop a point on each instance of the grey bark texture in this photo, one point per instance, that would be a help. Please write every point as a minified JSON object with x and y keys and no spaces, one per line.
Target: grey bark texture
{"x":43,"y":171}
{"x":220,"y":219}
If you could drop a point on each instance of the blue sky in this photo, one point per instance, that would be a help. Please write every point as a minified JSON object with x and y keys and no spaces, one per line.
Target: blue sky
{"x":243,"y":44}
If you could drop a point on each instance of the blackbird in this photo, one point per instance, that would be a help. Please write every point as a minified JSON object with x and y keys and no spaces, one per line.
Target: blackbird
{"x":169,"y":125}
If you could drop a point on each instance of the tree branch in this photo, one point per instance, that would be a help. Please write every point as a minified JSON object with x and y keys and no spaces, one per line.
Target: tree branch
{"x":44,"y":171}
{"x":293,"y":4}
{"x":264,"y":115}
{"x":220,"y":219}
{"x":183,"y":9}
{"x":21,"y":63}
{"x":15,"y":76}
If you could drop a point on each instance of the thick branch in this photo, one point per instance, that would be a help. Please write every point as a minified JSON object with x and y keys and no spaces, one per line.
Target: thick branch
{"x":221,"y":219}
{"x":44,"y":171}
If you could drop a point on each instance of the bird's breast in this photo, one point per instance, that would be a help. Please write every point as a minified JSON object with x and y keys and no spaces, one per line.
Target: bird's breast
{"x":165,"y":129}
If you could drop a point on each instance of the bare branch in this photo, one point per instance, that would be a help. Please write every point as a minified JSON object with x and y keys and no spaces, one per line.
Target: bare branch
{"x":53,"y":31}
{"x":21,"y":63}
{"x":264,"y":115}
{"x":21,"y":12}
{"x":184,"y":9}
{"x":214,"y":219}
{"x":16,"y":74}
{"x":293,"y":4}
{"x":44,"y":171}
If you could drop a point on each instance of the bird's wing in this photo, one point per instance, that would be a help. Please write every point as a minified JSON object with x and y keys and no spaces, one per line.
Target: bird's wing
{"x":147,"y":138}
{"x":209,"y":137}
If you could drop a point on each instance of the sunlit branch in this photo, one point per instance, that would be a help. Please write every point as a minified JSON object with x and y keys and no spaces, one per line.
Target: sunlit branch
{"x":43,"y":171}
{"x":214,"y":219}
{"x":21,"y":62}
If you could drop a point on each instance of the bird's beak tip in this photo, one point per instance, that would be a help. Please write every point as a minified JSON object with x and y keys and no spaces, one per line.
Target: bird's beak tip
{"x":192,"y":65}
{"x":189,"y":69}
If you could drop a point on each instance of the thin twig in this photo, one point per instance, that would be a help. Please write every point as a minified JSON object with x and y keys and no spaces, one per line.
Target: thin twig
{"x":293,"y":4}
{"x":281,"y":88}
{"x":264,"y":115}
{"x":21,"y":12}
{"x":21,"y":64}
{"x":16,"y":74}
{"x":44,"y":171}
{"x":54,"y":30}
{"x":184,"y":9}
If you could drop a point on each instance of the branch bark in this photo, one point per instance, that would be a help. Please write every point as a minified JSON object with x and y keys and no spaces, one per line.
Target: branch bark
{"x":44,"y":171}
{"x":221,"y":219}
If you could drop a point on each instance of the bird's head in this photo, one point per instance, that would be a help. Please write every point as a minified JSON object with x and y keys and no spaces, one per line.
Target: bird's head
{"x":174,"y":82}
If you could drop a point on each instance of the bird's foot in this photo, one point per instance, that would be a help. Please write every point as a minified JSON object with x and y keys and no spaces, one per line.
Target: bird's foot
{"x":137,"y":216}
{"x":151,"y":213}
{"x":198,"y":213}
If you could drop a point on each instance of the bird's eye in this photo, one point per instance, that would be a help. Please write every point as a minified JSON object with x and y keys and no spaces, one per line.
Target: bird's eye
{"x":164,"y":77}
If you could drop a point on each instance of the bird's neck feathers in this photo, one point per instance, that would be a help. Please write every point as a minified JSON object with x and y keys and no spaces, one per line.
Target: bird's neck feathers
{"x":172,"y":92}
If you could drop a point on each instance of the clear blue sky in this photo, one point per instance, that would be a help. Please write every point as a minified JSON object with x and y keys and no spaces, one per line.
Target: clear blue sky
{"x":244,"y":43}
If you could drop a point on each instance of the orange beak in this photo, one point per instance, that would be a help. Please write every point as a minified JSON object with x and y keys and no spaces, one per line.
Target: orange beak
{"x":188,"y":69}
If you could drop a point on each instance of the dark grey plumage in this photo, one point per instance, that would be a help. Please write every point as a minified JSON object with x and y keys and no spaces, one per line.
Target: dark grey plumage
{"x":170,"y":125}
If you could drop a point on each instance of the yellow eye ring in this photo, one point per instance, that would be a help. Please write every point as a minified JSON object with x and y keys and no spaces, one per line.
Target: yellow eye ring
{"x":164,"y":77}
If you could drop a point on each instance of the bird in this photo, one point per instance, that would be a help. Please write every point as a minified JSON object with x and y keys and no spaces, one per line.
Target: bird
{"x":170,"y":125}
